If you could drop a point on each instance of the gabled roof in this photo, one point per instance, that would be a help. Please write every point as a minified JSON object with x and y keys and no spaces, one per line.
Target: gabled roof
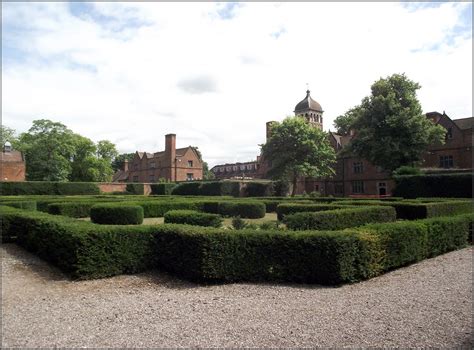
{"x":120,"y":175}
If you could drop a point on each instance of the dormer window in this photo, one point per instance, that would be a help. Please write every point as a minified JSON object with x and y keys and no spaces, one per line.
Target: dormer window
{"x":190,"y":163}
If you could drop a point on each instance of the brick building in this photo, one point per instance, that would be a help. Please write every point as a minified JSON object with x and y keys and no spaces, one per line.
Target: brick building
{"x":358,"y":177}
{"x":246,"y":170}
{"x":12,"y":164}
{"x":172,"y":164}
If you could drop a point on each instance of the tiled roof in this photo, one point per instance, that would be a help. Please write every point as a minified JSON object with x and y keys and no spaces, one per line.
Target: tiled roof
{"x":120,"y":175}
{"x":464,"y":123}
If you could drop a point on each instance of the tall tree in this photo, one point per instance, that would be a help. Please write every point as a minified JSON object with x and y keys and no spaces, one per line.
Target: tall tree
{"x":206,"y":173}
{"x":297,"y":149}
{"x":49,"y":147}
{"x":106,"y":150}
{"x":117,"y":163}
{"x":390,"y":129}
{"x":8,"y":134}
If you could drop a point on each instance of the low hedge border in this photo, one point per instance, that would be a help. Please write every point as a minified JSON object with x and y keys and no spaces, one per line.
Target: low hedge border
{"x":192,"y":217}
{"x":162,"y":189}
{"x":339,"y":219}
{"x":26,"y":205}
{"x":245,"y":209}
{"x":71,"y":209}
{"x":291,"y":208}
{"x":86,"y":250}
{"x":47,"y":188}
{"x":117,"y":214}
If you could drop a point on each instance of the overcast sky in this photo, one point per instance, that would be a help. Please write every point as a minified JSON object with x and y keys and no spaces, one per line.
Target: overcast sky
{"x":215,"y":73}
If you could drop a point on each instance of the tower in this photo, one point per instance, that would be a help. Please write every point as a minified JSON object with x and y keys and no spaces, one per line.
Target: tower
{"x":311,"y":110}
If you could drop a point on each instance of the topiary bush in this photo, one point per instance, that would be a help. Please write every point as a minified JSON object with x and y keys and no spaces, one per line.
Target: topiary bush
{"x":192,"y":217}
{"x":114,"y":214}
{"x":339,"y":219}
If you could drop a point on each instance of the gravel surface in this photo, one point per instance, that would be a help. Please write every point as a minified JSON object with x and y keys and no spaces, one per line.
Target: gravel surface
{"x":428,"y":304}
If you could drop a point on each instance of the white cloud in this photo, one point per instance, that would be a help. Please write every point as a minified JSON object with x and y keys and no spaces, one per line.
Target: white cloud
{"x":124,"y":81}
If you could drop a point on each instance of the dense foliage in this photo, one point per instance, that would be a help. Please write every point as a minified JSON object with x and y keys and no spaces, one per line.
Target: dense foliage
{"x":192,"y":217}
{"x":116,"y":214}
{"x":439,"y":185}
{"x":297,"y":149}
{"x":390,"y":129}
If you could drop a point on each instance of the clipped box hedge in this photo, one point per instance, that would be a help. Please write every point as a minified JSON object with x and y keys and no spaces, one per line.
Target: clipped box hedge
{"x":211,"y":188}
{"x":47,"y":188}
{"x":71,"y":209}
{"x":27,"y":205}
{"x":339,"y":219}
{"x":135,"y":188}
{"x":436,"y":185}
{"x":162,"y":188}
{"x":115,"y":214}
{"x":192,"y":217}
{"x":245,"y":209}
{"x":86,"y":250}
{"x":290,"y":208}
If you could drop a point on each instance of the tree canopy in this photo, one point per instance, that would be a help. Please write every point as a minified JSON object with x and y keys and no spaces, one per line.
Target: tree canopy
{"x":296,"y":149}
{"x":390,"y":129}
{"x":55,"y":153}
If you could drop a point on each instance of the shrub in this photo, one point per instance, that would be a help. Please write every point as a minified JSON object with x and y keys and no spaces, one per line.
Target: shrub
{"x":187,"y":189}
{"x":26,"y":205}
{"x":290,"y":208}
{"x":406,"y":170}
{"x":212,"y":254}
{"x":191,"y":217}
{"x":47,"y":188}
{"x":156,"y":209}
{"x":338,"y":219}
{"x":244,"y":209}
{"x":162,"y":188}
{"x":258,"y":189}
{"x":439,"y":185}
{"x":117,"y":214}
{"x":135,"y":188}
{"x":238,"y":223}
{"x":71,"y":209}
{"x":281,"y":188}
{"x":447,"y":233}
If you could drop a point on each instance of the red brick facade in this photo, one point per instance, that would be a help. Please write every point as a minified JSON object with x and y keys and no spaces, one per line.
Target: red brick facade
{"x":12,"y":165}
{"x":172,"y":164}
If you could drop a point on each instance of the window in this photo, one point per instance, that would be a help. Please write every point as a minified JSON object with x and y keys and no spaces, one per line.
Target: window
{"x":358,"y":167}
{"x":152,"y":178}
{"x":190,"y":163}
{"x":449,"y":134}
{"x":339,"y":188}
{"x":189,"y":177}
{"x":152,"y":165}
{"x":135,"y":178}
{"x":357,"y":186}
{"x":446,"y":161}
{"x":234,"y":168}
{"x":242,"y":167}
{"x":135,"y":166}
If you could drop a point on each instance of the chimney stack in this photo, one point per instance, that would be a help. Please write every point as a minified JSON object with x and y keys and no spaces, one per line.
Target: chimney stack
{"x":170,"y":154}
{"x":125,"y":165}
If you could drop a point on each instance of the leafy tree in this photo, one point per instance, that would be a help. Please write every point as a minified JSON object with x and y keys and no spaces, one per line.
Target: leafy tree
{"x":117,"y":163}
{"x":390,"y":129}
{"x":344,"y":123}
{"x":48,"y":147}
{"x":206,"y":173}
{"x":297,"y":149}
{"x":8,"y":134}
{"x":106,"y":150}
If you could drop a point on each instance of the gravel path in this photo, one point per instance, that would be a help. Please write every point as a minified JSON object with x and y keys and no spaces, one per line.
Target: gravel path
{"x":428,"y":304}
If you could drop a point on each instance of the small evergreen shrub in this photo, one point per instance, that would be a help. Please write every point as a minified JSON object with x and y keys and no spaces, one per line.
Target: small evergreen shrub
{"x":113,"y":214}
{"x":238,"y":223}
{"x":191,"y":217}
{"x":339,"y":219}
